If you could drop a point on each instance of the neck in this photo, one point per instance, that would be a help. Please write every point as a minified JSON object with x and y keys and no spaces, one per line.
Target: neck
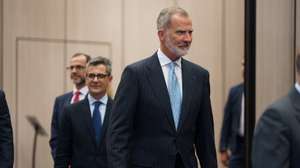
{"x":79,"y":86}
{"x":97,"y":96}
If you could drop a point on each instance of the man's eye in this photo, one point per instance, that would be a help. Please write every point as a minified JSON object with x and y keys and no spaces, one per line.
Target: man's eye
{"x":180,"y":32}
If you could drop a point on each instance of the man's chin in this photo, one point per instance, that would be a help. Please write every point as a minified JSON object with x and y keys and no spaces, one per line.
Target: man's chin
{"x":78,"y":82}
{"x":181,"y":52}
{"x":96,"y":92}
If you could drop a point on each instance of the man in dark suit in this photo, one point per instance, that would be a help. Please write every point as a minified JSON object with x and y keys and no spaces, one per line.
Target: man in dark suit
{"x":232,"y":134}
{"x":77,"y":74}
{"x":82,"y":135}
{"x":6,"y":135}
{"x":276,"y":141}
{"x":162,"y":109}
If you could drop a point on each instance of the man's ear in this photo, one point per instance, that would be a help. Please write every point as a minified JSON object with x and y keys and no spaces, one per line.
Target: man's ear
{"x":110,"y":78}
{"x":161,"y":35}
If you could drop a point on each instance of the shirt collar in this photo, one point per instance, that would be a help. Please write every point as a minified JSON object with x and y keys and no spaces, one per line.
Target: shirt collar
{"x":83,"y":90}
{"x":103,"y":99}
{"x":164,"y":60}
{"x":297,"y":86}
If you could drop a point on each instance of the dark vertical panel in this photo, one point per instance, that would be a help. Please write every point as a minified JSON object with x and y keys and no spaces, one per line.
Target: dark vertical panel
{"x":1,"y":43}
{"x":250,"y":68}
{"x":296,"y":36}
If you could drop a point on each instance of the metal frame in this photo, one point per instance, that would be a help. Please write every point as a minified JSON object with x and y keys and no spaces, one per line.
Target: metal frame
{"x":250,"y":77}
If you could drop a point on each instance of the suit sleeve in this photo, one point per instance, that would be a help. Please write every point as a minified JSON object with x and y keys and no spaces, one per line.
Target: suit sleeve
{"x":64,"y":144}
{"x":227,"y":120}
{"x":6,"y":136}
{"x":54,"y":129}
{"x":205,"y":141}
{"x":271,"y":145}
{"x":121,"y":121}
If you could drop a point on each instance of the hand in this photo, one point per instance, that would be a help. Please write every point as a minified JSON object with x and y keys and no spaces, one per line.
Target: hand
{"x":225,"y":158}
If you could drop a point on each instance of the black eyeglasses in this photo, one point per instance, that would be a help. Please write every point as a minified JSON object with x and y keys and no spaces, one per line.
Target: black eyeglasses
{"x":76,"y":67}
{"x":98,"y":76}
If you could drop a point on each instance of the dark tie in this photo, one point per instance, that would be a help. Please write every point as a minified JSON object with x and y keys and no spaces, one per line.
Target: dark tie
{"x":97,"y":121}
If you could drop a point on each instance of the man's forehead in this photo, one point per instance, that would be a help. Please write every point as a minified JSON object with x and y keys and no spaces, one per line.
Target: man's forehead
{"x":100,"y":67}
{"x":179,"y":17}
{"x":180,"y":21}
{"x":184,"y":28}
{"x":78,"y":59}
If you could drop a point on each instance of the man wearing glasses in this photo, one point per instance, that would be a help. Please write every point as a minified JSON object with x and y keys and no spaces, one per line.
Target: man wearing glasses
{"x":82,"y":133}
{"x":77,"y":70}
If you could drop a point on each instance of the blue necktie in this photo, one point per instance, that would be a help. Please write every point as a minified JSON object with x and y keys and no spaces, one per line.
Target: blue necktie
{"x":97,"y":120}
{"x":174,"y":93}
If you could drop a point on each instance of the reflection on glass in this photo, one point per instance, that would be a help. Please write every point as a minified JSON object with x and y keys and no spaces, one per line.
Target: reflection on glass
{"x":276,"y":141}
{"x":232,"y":133}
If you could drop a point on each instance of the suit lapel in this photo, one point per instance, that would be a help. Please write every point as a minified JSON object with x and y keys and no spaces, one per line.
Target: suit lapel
{"x":88,"y":119}
{"x":157,"y":81}
{"x":105,"y":121}
{"x":187,"y":91}
{"x":68,"y":98}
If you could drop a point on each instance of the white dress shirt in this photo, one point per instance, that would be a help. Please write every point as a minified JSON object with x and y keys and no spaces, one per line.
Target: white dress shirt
{"x":297,"y":86}
{"x":102,"y":107}
{"x":164,"y":61}
{"x":242,"y":119}
{"x":83,"y":92}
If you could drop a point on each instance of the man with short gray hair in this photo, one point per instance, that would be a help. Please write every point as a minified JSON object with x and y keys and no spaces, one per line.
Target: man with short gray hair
{"x":162,"y":113}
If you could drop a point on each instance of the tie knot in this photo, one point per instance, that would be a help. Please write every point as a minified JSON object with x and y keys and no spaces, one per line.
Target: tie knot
{"x":97,"y":104}
{"x":172,"y":66}
{"x":77,"y":92}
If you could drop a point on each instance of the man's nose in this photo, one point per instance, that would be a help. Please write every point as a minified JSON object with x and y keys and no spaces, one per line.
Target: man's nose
{"x":188,"y":37}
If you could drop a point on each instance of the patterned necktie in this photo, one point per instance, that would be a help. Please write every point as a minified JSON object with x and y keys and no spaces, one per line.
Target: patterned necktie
{"x":76,"y":96}
{"x":97,"y":121}
{"x":174,"y":93}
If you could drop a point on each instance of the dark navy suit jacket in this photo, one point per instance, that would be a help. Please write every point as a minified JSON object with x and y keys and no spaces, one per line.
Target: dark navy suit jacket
{"x":76,"y":141}
{"x":231,"y":120}
{"x":59,"y":104}
{"x":6,"y":135}
{"x":276,"y":141}
{"x":142,"y":132}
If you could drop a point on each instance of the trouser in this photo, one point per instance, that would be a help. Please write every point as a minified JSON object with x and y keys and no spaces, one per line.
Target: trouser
{"x":237,"y":158}
{"x":179,"y":162}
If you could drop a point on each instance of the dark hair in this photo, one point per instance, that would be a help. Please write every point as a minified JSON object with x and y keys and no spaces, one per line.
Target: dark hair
{"x":87,"y":57}
{"x":101,"y":61}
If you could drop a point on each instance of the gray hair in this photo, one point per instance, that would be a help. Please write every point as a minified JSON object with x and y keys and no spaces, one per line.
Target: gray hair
{"x":101,"y":61}
{"x":164,"y":17}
